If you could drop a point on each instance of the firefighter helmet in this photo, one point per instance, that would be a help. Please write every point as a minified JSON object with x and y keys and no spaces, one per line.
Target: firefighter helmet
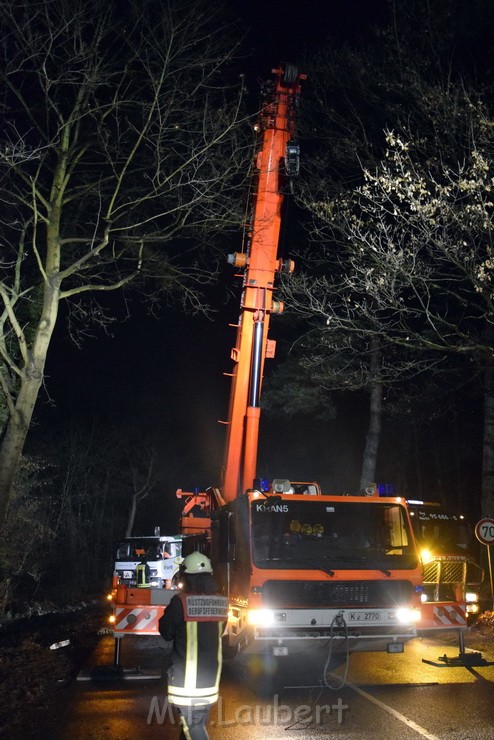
{"x":196,"y":562}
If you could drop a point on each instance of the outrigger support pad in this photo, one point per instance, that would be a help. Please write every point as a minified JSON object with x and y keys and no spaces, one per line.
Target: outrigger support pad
{"x":462,"y":660}
{"x":118,"y":673}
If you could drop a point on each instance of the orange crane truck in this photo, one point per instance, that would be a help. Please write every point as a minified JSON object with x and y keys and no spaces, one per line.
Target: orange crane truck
{"x":299,"y":567}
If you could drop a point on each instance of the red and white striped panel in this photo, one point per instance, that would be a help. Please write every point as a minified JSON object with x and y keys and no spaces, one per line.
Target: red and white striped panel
{"x":442,"y":616}
{"x":138,"y":620}
{"x":450,"y":616}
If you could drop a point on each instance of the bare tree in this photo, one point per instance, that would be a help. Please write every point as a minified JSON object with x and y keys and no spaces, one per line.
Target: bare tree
{"x":121,"y":149}
{"x":410,"y":76}
{"x":327,"y":363}
{"x":27,"y":537}
{"x":144,"y":477}
{"x":416,"y":260}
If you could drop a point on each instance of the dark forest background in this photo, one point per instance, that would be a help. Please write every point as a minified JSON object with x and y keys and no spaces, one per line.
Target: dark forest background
{"x":128,"y":408}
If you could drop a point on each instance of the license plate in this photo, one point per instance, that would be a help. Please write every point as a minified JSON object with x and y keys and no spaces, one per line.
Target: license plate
{"x":363,"y":616}
{"x":280,"y":650}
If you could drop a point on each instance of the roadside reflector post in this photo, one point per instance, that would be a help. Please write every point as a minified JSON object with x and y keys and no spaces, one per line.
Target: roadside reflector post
{"x":489,"y":562}
{"x":116,"y":653}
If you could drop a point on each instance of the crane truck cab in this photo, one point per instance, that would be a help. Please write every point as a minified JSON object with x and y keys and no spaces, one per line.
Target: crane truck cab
{"x":302,"y":568}
{"x":163,"y":555}
{"x":447,"y":547}
{"x":137,"y":607}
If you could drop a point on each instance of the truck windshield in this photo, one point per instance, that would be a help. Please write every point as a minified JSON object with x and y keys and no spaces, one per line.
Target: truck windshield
{"x":443,"y":532}
{"x":149,"y":548}
{"x":330,"y":535}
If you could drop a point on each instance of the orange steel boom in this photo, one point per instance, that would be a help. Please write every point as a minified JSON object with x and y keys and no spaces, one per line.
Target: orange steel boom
{"x":277,"y":161}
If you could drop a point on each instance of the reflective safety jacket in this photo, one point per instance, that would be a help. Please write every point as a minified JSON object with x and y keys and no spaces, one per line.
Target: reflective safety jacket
{"x":142,"y":573}
{"x":195,"y":623}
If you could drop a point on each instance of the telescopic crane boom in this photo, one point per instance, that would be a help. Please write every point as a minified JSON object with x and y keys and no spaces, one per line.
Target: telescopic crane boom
{"x":277,"y":161}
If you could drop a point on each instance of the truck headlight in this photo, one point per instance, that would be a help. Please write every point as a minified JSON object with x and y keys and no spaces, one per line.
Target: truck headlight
{"x":405,"y":615}
{"x":260,"y":617}
{"x":471,"y":597}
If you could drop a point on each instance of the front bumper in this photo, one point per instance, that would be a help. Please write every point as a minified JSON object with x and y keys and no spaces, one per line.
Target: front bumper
{"x":352,"y":630}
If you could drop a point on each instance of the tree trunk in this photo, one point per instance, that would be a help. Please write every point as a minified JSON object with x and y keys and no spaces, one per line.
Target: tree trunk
{"x":368,"y":476}
{"x":30,"y":384}
{"x":487,"y":499}
{"x":417,"y":458}
{"x":132,"y":516}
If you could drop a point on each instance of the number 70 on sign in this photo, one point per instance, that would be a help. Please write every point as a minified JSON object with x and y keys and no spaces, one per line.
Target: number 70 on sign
{"x":484,"y":531}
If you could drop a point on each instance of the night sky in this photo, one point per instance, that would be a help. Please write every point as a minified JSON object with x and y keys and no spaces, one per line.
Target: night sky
{"x":166,"y":372}
{"x":289,"y":31}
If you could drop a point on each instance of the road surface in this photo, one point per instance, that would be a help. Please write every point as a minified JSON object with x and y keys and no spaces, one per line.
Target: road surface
{"x":371,"y":695}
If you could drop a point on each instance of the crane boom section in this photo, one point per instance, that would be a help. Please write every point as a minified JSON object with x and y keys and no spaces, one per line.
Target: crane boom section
{"x":276,"y":161}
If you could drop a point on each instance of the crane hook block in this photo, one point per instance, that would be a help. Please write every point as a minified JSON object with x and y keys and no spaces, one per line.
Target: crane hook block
{"x":238,"y":259}
{"x":292,"y":159}
{"x":290,"y":75}
{"x":286,"y":266}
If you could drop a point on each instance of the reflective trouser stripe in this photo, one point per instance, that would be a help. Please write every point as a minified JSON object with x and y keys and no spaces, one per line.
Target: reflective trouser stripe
{"x":201,"y":697}
{"x":193,"y":692}
{"x":185,"y":729}
{"x":221,"y":626}
{"x":190,"y":681}
{"x":193,"y":723}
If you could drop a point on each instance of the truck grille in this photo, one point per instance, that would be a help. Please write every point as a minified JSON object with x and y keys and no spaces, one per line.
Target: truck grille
{"x":474,"y":573}
{"x":443,"y":572}
{"x":276,"y":594}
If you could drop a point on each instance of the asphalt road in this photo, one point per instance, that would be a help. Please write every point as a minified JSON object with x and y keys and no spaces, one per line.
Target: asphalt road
{"x":372,"y":695}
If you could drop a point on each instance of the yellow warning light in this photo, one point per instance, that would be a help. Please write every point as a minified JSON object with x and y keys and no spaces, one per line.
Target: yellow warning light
{"x":295,"y":525}
{"x":109,"y":597}
{"x":426,"y":556}
{"x":111,"y":619}
{"x":306,"y":529}
{"x":318,"y":529}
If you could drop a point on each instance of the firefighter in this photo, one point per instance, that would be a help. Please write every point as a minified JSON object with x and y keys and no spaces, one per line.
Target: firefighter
{"x":142,"y":573}
{"x":195,"y":621}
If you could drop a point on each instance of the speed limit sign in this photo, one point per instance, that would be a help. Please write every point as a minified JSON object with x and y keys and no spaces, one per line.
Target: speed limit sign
{"x":484,"y":531}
